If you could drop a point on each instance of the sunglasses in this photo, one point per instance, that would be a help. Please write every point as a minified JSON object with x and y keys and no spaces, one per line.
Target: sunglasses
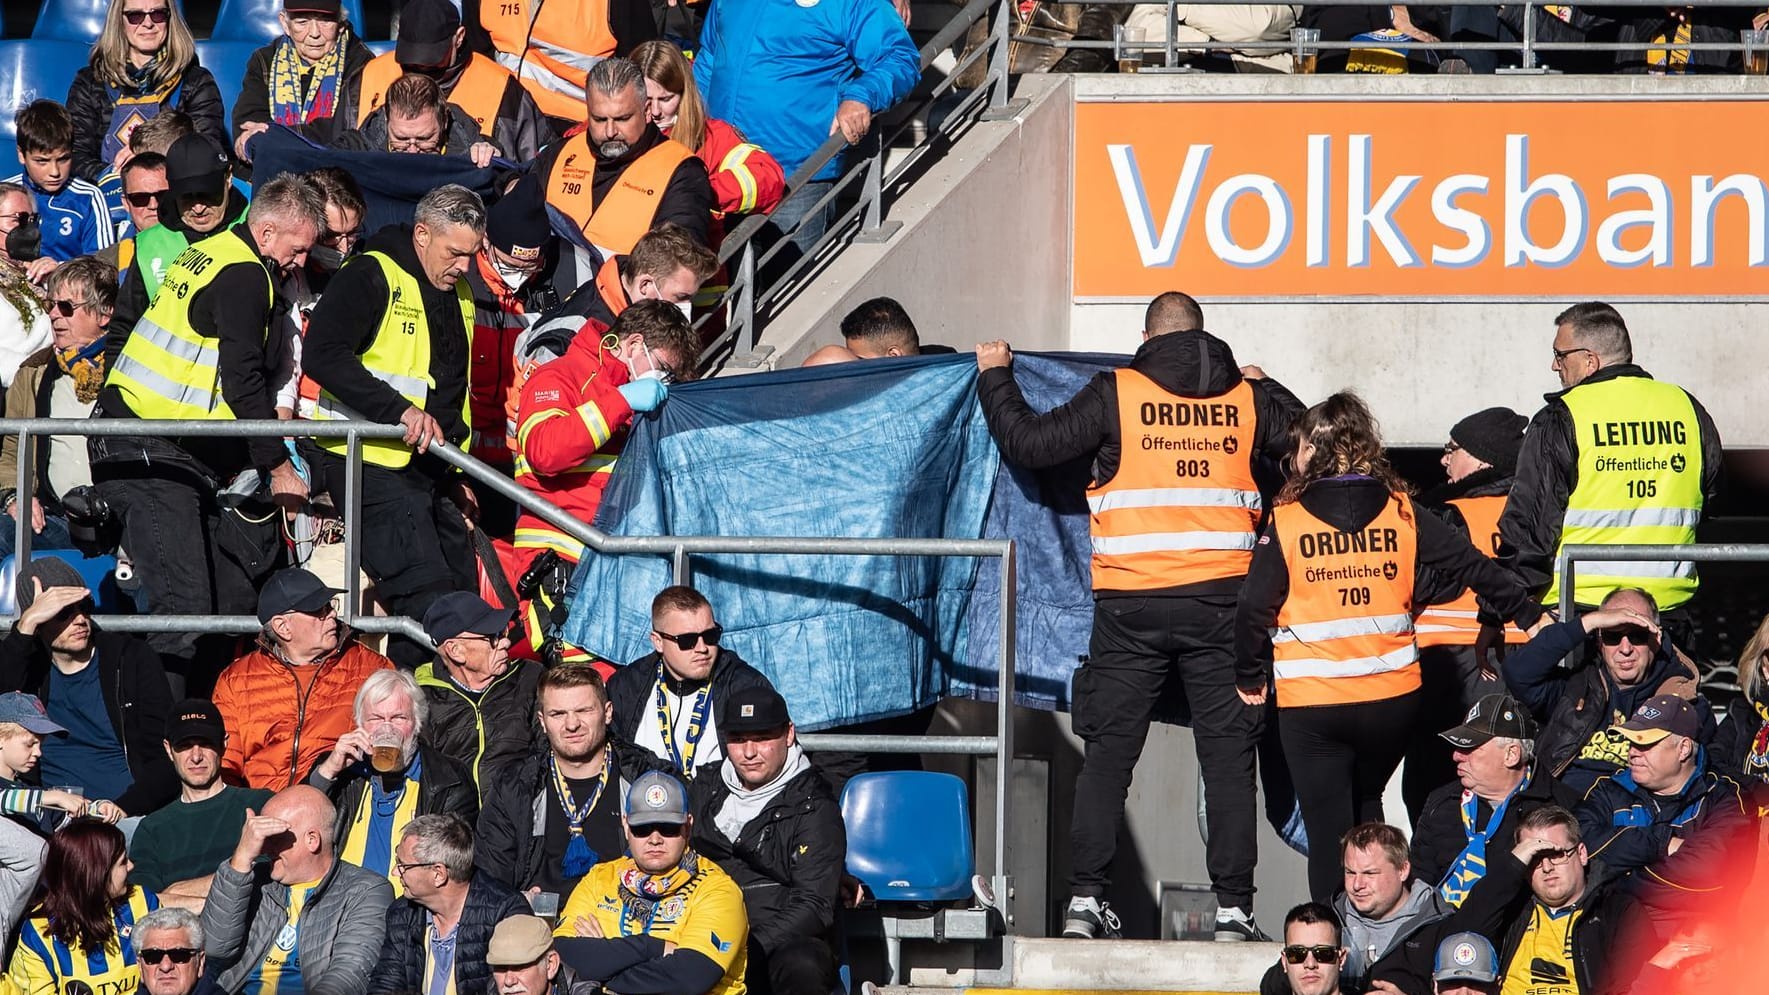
{"x":666,"y":830}
{"x":1556,"y":856}
{"x":143,"y":198}
{"x":1296,"y":953}
{"x":159,"y":15}
{"x":688,"y":640}
{"x":179,"y":955}
{"x":65,"y":308}
{"x":1632,"y":633}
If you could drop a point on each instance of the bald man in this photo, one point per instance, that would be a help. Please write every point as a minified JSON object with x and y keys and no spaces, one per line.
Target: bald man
{"x":285,"y":914}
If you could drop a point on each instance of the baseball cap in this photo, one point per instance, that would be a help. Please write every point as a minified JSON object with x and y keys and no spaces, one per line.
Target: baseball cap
{"x":754,"y":709}
{"x":195,"y":165}
{"x":426,"y":33}
{"x":1658,"y":717}
{"x":293,"y":590}
{"x":1466,"y":957}
{"x":1492,"y":717}
{"x":196,"y":718}
{"x":333,"y":8}
{"x":657,"y":798}
{"x":27,"y":710}
{"x":519,"y":941}
{"x":460,"y":612}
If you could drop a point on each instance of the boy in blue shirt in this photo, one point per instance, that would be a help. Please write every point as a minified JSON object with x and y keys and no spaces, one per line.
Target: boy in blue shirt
{"x":75,"y":218}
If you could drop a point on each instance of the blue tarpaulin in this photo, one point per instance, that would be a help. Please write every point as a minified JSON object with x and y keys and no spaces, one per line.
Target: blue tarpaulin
{"x":392,"y":182}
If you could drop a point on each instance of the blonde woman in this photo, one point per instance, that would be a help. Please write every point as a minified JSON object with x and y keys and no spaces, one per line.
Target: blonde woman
{"x":1741,"y":747}
{"x":145,"y":61}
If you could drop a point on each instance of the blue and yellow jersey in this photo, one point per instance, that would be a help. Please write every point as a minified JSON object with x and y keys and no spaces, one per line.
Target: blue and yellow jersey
{"x":280,"y":971}
{"x":44,"y":965}
{"x":381,"y":816}
{"x":702,"y":912}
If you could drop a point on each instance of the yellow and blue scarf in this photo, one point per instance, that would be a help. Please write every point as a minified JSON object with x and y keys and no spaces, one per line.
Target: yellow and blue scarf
{"x":287,"y":106}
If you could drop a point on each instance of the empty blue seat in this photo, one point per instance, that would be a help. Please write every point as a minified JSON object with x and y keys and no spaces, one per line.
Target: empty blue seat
{"x":30,"y":70}
{"x":73,"y":20}
{"x":909,"y":835}
{"x":380,"y":47}
{"x":227,"y":61}
{"x":255,"y":20}
{"x":99,"y":572}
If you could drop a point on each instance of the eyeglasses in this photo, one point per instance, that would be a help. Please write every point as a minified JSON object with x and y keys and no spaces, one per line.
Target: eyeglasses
{"x":1451,"y":447}
{"x":1296,"y":953}
{"x":160,"y":15}
{"x":144,"y":198}
{"x":1561,"y":354}
{"x":65,"y":308}
{"x":339,"y":239}
{"x":1632,"y":633}
{"x":688,"y":640}
{"x":400,"y":866}
{"x":502,"y":637}
{"x":664,"y":829}
{"x":179,"y":955}
{"x":427,"y":146}
{"x":325,"y":611}
{"x":1560,"y":856}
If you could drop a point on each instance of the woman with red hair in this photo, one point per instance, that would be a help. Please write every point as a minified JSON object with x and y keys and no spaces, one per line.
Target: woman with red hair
{"x":79,"y":931}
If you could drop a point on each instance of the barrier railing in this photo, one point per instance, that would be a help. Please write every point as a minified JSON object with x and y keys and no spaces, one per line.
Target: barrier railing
{"x":679,"y":549}
{"x":1711,"y":552}
{"x":749,"y":299}
{"x":1527,"y":46}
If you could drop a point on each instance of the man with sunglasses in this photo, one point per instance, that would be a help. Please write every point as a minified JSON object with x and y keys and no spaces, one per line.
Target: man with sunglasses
{"x":169,"y":944}
{"x":481,"y":700}
{"x":662,"y":919}
{"x":1625,"y":657}
{"x":1312,"y":955}
{"x":1614,"y":457}
{"x":668,"y":701}
{"x":144,"y":185}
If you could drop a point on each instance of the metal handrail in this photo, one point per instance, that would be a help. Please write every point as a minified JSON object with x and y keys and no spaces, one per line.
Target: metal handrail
{"x":679,"y":548}
{"x":1699,"y":552}
{"x":1526,"y":46}
{"x":744,"y":300}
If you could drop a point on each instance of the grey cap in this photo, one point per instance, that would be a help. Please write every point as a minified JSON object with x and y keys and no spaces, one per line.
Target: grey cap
{"x":657,"y":798}
{"x":1466,"y":957}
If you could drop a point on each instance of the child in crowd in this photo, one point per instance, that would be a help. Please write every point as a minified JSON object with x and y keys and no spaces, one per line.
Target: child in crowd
{"x":23,"y":724}
{"x":73,"y":213}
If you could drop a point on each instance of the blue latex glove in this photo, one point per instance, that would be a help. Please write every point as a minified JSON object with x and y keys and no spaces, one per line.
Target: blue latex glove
{"x":644,"y":395}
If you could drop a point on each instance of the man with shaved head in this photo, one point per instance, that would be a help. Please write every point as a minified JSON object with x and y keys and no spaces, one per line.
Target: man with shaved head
{"x":284,"y":914}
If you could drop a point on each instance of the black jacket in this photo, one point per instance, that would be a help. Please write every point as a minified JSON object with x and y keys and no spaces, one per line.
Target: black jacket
{"x":252,"y":105}
{"x":1417,"y":915}
{"x":1446,"y":563}
{"x":1572,"y":706}
{"x":1439,"y":837}
{"x":400,"y":971}
{"x":788,"y":859}
{"x":1730,"y":751}
{"x":132,"y":298}
{"x":1186,"y":364}
{"x":630,"y":692}
{"x":1547,"y":472}
{"x":485,"y":737}
{"x":512,"y":830}
{"x":519,"y":129}
{"x":90,"y":105}
{"x":136,"y":697}
{"x":443,"y":787}
{"x":1630,"y":828}
{"x":462,"y":133}
{"x":687,"y":199}
{"x":343,"y":327}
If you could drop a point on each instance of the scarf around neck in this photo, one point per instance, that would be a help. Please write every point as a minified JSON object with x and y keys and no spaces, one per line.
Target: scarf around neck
{"x":742,"y":804}
{"x":287,"y":104}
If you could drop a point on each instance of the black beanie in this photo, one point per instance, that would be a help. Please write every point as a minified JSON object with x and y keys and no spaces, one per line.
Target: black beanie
{"x":1492,"y":436}
{"x":517,"y":227}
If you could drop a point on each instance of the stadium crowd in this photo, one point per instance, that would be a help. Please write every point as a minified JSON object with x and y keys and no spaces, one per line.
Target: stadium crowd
{"x":493,"y":809}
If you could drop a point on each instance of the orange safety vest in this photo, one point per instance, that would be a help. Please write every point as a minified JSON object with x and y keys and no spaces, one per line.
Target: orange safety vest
{"x":609,"y":286}
{"x":550,"y":47}
{"x":1457,"y":623}
{"x":479,"y":92}
{"x":625,"y":214}
{"x":1183,"y":506}
{"x":1345,"y":632}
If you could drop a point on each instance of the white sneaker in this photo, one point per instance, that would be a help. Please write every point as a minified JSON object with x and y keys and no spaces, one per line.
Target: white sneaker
{"x":1089,"y":918}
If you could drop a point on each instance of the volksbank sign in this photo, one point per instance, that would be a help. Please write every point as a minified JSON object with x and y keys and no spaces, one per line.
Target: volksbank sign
{"x":1422,"y":198}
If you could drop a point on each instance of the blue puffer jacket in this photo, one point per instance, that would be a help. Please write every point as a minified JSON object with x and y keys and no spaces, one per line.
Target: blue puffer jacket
{"x":777,"y":69}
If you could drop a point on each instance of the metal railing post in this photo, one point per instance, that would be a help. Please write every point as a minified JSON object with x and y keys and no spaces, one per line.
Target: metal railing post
{"x":1004,"y":751}
{"x":679,"y":566}
{"x":1167,"y":30}
{"x":1000,"y":36}
{"x":1529,"y":36}
{"x":746,"y":299}
{"x":352,"y":519}
{"x":1567,"y":612}
{"x":873,"y":227}
{"x":21,"y":508}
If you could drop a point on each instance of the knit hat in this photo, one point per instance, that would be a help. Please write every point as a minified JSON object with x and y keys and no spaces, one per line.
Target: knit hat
{"x":53,"y":571}
{"x":1493,"y":437}
{"x":517,"y":227}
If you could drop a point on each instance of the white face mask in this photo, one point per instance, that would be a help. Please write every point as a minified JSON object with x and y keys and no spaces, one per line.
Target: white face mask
{"x":656,"y":372}
{"x":687,"y":309}
{"x":513,"y":276}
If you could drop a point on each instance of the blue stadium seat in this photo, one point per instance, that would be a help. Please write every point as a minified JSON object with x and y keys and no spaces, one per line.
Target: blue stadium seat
{"x":99,"y":572}
{"x":227,"y":60}
{"x":73,"y":20}
{"x":255,"y":20}
{"x":30,"y":70}
{"x":909,"y":835}
{"x":380,"y":47}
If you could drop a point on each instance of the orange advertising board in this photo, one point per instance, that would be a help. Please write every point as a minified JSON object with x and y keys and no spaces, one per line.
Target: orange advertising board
{"x":1432,"y":198}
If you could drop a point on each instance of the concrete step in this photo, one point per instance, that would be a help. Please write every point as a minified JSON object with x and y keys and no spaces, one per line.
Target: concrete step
{"x":1140,"y":965}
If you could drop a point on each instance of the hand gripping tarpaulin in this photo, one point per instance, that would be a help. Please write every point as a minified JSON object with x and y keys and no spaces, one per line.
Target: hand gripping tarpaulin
{"x":871,"y":449}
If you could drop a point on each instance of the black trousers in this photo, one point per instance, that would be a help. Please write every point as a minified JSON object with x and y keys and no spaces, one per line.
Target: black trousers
{"x":1452,"y":684}
{"x":413,"y":537}
{"x":192,"y":556}
{"x":802,"y":966}
{"x":1341,"y":757}
{"x":1139,"y":645}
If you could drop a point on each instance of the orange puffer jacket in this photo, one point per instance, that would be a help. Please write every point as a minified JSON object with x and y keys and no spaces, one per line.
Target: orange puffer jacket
{"x":275,"y":733}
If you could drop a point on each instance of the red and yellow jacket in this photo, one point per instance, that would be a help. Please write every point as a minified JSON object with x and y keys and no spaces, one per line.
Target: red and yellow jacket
{"x":498,"y":321}
{"x":745,"y":178}
{"x":571,"y":424}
